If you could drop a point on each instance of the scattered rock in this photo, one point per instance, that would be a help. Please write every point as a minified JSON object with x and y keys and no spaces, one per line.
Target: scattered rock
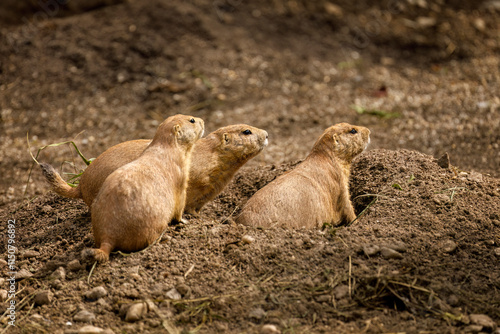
{"x":473,"y":329}
{"x":479,"y":24}
{"x":56,"y":284}
{"x":426,"y":22}
{"x":440,"y":199}
{"x":136,"y":312}
{"x":483,"y":320}
{"x":94,"y":330}
{"x":4,"y":294}
{"x":29,"y":254}
{"x":257,"y":313}
{"x":84,"y":316}
{"x":43,"y":298}
{"x":3,"y":263}
{"x":246,"y":239}
{"x":323,"y":298}
{"x":371,"y":250}
{"x":398,"y":246}
{"x":46,"y":208}
{"x":333,"y":9}
{"x":96,"y":293}
{"x":183,"y":289}
{"x":123,"y":310}
{"x":74,"y":265}
{"x":444,"y":161}
{"x":269,"y":329}
{"x":151,"y":306}
{"x":497,"y":251}
{"x":390,"y":253}
{"x":173,"y":294}
{"x":476,"y":177}
{"x":59,"y":273}
{"x":341,"y":291}
{"x":449,"y":246}
{"x":23,"y":274}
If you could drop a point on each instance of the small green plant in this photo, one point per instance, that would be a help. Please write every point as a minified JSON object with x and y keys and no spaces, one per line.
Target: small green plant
{"x":74,"y":176}
{"x":397,"y":186}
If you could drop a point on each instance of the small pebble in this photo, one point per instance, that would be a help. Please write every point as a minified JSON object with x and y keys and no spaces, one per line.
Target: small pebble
{"x":269,"y":329}
{"x":473,"y":328}
{"x":257,"y":313}
{"x":398,"y":246}
{"x":371,"y":250}
{"x":173,"y":294}
{"x":96,"y":293}
{"x":59,"y":273}
{"x":341,"y":291}
{"x":390,"y":253}
{"x":444,"y":161}
{"x":93,"y":330}
{"x":246,"y":239}
{"x":22,"y":274}
{"x":497,"y":251}
{"x":74,"y":265}
{"x":29,"y":254}
{"x":449,"y":246}
{"x":136,"y":312}
{"x":183,"y":289}
{"x":43,"y":298}
{"x":483,"y":320}
{"x":84,"y":316}
{"x":4,"y":294}
{"x":323,"y":298}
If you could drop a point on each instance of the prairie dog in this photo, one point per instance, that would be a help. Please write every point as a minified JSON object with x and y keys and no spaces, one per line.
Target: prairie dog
{"x":317,"y":190}
{"x":138,"y":200}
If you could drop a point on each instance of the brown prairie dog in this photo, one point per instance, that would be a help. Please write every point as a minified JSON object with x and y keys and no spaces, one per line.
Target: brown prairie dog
{"x":138,"y":200}
{"x":317,"y":190}
{"x":214,"y":161}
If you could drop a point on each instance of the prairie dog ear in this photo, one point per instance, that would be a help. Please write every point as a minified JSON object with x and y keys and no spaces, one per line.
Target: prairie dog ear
{"x":177,"y":129}
{"x":226,"y":138}
{"x":335,"y":138}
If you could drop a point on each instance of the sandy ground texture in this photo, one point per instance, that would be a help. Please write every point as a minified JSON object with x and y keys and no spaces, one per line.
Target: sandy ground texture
{"x":424,"y":77}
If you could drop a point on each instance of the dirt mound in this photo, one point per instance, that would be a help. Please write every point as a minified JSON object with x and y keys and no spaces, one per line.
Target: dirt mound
{"x":422,"y":256}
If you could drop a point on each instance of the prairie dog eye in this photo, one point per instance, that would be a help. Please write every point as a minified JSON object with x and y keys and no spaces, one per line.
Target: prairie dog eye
{"x":353,"y":131}
{"x":247,"y":132}
{"x":192,"y":120}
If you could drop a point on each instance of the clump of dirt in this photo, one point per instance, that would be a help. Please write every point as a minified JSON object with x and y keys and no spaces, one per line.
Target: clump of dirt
{"x":421,"y":256}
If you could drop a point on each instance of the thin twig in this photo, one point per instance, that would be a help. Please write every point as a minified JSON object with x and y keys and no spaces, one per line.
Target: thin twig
{"x":91,"y":271}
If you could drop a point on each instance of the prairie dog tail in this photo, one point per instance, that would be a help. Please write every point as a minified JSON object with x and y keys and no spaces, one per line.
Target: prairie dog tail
{"x":58,"y":184}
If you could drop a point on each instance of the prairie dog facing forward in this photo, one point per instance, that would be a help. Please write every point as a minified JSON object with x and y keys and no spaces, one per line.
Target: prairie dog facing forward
{"x":214,"y":161}
{"x":317,"y":190}
{"x":138,"y":200}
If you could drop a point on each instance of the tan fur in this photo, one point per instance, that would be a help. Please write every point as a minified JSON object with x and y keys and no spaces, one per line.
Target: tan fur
{"x":317,"y":190}
{"x":138,"y":200}
{"x":215,"y":160}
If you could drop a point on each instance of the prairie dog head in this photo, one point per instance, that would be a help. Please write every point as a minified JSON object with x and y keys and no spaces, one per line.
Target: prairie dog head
{"x":241,"y":142}
{"x":183,"y":130}
{"x":346,"y":141}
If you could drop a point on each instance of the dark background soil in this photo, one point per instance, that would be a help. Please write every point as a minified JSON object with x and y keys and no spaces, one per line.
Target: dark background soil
{"x":423,"y":76}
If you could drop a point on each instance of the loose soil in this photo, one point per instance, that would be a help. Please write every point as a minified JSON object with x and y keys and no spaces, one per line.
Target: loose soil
{"x":423,"y":254}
